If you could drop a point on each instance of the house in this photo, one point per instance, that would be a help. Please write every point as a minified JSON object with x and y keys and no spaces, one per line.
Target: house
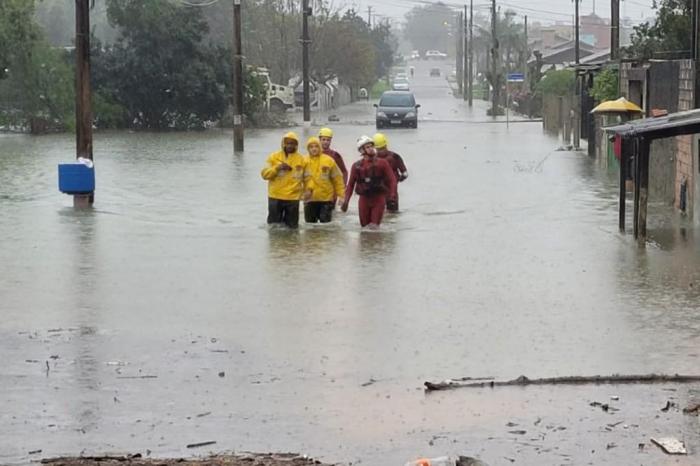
{"x":559,"y":57}
{"x":659,"y":86}
{"x":595,"y":31}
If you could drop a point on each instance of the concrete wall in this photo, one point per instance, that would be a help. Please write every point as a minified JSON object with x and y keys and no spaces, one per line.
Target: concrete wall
{"x":557,"y":116}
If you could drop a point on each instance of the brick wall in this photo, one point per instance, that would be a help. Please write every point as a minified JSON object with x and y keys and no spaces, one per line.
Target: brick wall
{"x":684,"y":151}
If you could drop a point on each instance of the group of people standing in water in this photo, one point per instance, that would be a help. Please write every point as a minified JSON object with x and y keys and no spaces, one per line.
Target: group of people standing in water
{"x":321,"y":180}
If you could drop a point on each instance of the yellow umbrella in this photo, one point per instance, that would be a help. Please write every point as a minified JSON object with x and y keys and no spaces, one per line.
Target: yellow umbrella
{"x":620,"y":105}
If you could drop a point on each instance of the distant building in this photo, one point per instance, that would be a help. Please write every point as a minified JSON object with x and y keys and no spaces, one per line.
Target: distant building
{"x":595,"y":31}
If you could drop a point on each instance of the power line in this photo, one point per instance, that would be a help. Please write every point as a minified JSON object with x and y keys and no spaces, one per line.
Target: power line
{"x":203,"y":4}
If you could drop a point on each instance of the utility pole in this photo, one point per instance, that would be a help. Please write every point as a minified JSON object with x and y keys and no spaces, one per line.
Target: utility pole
{"x":695,"y":36}
{"x":527,"y":51}
{"x":465,"y":56}
{"x":83,"y":102}
{"x":614,"y":29}
{"x":470,"y":68}
{"x":306,"y":41}
{"x":369,"y":16}
{"x":237,"y":94}
{"x":495,"y":94}
{"x":577,"y":96}
{"x":577,"y":43}
{"x":459,"y":54}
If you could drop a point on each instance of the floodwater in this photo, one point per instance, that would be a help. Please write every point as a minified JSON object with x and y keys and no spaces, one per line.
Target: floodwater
{"x":171,"y":314}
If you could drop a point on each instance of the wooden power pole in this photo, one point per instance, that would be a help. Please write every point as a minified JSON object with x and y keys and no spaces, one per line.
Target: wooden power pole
{"x":577,"y":96}
{"x":465,"y":54}
{"x":526,"y":69}
{"x":459,"y":54}
{"x":306,"y":41}
{"x":495,"y":55}
{"x":695,"y":35}
{"x":237,"y":94}
{"x":577,"y":42}
{"x":83,"y":93}
{"x":614,"y":29}
{"x":470,"y":67}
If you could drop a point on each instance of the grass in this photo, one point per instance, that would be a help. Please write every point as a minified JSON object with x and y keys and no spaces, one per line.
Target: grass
{"x":379,"y":88}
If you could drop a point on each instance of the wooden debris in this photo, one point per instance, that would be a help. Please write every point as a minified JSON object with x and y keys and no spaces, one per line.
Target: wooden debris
{"x":201,"y":444}
{"x":572,"y":380}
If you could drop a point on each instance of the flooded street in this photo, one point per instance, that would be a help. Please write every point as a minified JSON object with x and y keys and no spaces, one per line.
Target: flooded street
{"x":171,"y":314}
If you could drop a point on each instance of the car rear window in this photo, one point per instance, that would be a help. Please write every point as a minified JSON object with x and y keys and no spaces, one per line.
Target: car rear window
{"x":397,"y":100}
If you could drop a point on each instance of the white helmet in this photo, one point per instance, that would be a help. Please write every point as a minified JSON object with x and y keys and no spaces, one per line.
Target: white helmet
{"x":363,"y":141}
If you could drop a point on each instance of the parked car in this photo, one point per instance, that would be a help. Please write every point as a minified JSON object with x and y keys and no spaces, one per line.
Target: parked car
{"x":415,"y":55}
{"x":401,"y":85}
{"x":435,"y":72}
{"x":397,"y":108}
{"x":401,"y":76}
{"x":435,"y":55}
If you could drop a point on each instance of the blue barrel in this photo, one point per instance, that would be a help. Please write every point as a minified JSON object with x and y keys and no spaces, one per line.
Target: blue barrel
{"x":76,"y":178}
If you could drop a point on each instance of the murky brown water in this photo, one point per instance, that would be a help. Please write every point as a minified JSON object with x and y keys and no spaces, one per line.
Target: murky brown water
{"x":505,"y":261}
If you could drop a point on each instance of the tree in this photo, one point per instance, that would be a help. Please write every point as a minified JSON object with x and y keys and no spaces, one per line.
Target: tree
{"x":357,"y":64}
{"x":253,"y":87}
{"x":669,"y":34}
{"x":159,"y":69}
{"x":428,"y":27}
{"x":18,"y":33}
{"x":57,"y":19}
{"x":605,"y":86}
{"x":271,"y":32}
{"x":36,"y":80}
{"x":385,"y":46}
{"x":557,"y":82}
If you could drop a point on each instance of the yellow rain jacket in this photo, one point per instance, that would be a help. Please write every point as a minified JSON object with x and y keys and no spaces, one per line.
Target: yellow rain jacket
{"x":285,"y":185}
{"x":325,"y":178}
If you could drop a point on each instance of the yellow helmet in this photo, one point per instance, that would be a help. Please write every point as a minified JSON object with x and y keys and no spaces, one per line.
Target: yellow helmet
{"x":380,"y":141}
{"x":325,"y":133}
{"x":313,"y":140}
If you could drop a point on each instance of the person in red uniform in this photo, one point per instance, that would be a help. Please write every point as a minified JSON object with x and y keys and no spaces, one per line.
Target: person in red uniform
{"x":372,"y":179}
{"x":325,"y":135}
{"x":398,"y":167}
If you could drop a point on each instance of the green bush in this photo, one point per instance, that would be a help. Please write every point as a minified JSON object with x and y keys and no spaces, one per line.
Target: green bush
{"x":379,"y":88}
{"x":557,"y":82}
{"x":605,"y":86}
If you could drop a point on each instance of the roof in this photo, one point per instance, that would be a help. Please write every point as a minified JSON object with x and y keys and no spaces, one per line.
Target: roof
{"x":564,"y":54}
{"x":675,"y":124}
{"x":597,"y":58}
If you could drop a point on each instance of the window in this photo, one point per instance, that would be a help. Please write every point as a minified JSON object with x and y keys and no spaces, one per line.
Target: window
{"x":397,"y":100}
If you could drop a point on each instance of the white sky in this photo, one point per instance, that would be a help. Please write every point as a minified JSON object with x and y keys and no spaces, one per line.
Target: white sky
{"x":546,"y":11}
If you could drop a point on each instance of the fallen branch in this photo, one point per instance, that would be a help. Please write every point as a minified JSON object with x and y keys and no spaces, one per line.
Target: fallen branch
{"x":573,"y":380}
{"x":96,"y":459}
{"x":201,"y":444}
{"x":138,"y":377}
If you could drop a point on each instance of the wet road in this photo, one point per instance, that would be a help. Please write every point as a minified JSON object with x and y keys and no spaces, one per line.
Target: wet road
{"x":117,"y":322}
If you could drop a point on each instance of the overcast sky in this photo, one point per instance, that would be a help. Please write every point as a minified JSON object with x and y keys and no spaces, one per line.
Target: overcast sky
{"x":537,"y":10}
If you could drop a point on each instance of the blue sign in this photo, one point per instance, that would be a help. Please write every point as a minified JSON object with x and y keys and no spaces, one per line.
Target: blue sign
{"x":516,"y":77}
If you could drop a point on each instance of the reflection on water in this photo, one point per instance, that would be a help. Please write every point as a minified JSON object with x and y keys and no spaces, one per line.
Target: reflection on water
{"x":377,"y":245}
{"x":487,"y":271}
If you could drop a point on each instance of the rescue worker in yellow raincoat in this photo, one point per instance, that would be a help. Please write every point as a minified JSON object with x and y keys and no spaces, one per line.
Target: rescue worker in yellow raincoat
{"x":285,"y":172}
{"x":325,"y":184}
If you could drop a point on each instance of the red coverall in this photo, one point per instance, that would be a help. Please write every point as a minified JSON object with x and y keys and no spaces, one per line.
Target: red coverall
{"x":373,"y":181}
{"x":338,"y":161}
{"x":398,"y":168}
